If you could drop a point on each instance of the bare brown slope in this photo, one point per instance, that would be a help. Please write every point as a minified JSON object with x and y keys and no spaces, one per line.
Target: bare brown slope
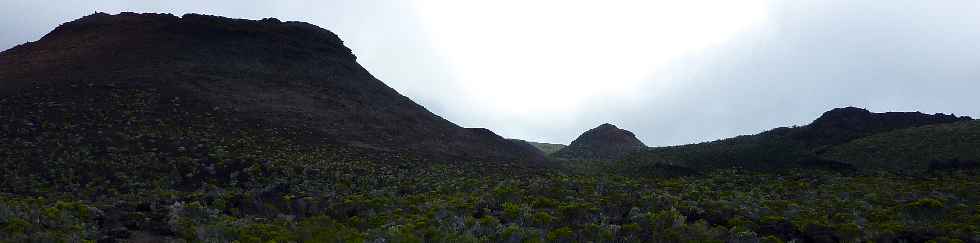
{"x":289,"y":74}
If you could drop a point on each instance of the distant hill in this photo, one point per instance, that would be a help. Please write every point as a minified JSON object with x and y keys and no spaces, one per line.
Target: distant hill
{"x":938,"y":146}
{"x":547,"y":148}
{"x":789,"y":147}
{"x":288,"y":75}
{"x":605,"y":142}
{"x":528,"y":146}
{"x":844,"y":124}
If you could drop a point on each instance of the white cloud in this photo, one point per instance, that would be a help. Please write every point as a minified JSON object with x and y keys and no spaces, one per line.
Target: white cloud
{"x":518,"y":59}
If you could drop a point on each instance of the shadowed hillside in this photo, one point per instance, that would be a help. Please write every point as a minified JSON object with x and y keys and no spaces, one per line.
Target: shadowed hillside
{"x":789,"y":147}
{"x":941,"y":146}
{"x":845,"y":124}
{"x":289,"y":74}
{"x":546,"y":148}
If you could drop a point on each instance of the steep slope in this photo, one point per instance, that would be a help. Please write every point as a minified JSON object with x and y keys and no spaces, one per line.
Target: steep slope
{"x":603,"y":142}
{"x":938,"y":146}
{"x":287,"y":74}
{"x":789,"y":147}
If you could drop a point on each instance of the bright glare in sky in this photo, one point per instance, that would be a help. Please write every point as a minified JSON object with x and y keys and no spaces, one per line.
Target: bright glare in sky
{"x":519,"y":58}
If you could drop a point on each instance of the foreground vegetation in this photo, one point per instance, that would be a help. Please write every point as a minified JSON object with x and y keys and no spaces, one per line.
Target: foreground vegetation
{"x":136,"y":164}
{"x":363,"y":201}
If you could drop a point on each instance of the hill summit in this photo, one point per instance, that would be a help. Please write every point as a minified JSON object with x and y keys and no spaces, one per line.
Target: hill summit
{"x":603,"y":142}
{"x":844,"y":124}
{"x":284,"y":74}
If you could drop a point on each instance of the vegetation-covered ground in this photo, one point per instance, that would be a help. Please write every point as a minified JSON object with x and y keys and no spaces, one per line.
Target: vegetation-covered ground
{"x":920,"y":148}
{"x":363,"y":201}
{"x":843,"y":138}
{"x":105,"y":163}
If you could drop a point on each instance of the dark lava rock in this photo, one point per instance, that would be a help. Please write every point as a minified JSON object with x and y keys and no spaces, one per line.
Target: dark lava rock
{"x":604,"y":142}
{"x":289,"y":74}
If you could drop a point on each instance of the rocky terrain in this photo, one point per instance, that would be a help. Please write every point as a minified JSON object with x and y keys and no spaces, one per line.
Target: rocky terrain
{"x":605,"y":142}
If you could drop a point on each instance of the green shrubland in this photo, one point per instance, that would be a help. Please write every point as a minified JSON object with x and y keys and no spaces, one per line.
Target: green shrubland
{"x":162,"y":168}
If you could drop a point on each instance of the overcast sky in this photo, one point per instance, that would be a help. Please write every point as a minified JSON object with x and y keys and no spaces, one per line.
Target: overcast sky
{"x":673,"y":72}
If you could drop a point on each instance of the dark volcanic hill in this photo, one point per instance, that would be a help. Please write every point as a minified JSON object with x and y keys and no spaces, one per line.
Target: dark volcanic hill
{"x":603,"y":142}
{"x":844,"y":124}
{"x":285,"y":74}
{"x":786,"y":147}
